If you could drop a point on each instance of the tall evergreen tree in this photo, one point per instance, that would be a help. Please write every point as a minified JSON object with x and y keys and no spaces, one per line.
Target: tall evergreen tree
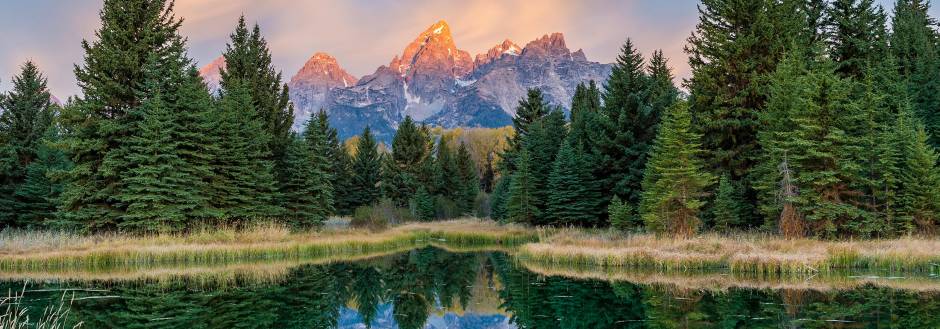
{"x":500,"y":198}
{"x":662,"y":91}
{"x":154,"y":189}
{"x":411,"y":147}
{"x":726,"y":210}
{"x":340,"y":171}
{"x":572,"y":198}
{"x":248,"y":64}
{"x":630,"y":125}
{"x":306,"y":196}
{"x":469,"y":178}
{"x":676,"y":181}
{"x":366,"y":167}
{"x":920,"y":196}
{"x":914,"y":43}
{"x":530,"y":109}
{"x":729,"y":51}
{"x":320,"y":185}
{"x":810,"y":123}
{"x":38,"y":197}
{"x":26,"y":114}
{"x":424,"y":204}
{"x":542,"y":143}
{"x":244,"y":186}
{"x":857,"y":37}
{"x":100,"y":122}
{"x":521,"y":204}
{"x":446,"y":179}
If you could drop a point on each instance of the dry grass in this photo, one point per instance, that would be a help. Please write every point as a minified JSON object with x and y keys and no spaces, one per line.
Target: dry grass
{"x":758,"y":254}
{"x":15,"y":316}
{"x":57,"y":251}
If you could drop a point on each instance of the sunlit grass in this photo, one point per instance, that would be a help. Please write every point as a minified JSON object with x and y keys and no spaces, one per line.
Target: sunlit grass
{"x":758,"y":254}
{"x":25,"y":251}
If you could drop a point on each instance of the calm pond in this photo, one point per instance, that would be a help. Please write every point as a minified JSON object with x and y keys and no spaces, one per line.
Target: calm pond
{"x":433,"y":288}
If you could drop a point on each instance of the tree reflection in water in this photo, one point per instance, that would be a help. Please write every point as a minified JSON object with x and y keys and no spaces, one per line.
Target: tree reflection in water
{"x":432,"y":288}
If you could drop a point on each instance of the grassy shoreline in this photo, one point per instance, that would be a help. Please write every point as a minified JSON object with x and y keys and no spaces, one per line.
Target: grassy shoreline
{"x":45,"y":251}
{"x":756,"y":254}
{"x":232,"y":252}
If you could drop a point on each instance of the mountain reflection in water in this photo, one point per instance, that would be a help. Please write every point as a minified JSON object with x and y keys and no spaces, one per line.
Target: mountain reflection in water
{"x":433,"y":288}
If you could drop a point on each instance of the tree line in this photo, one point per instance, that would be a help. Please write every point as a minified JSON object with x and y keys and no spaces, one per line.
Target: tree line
{"x":803,"y":117}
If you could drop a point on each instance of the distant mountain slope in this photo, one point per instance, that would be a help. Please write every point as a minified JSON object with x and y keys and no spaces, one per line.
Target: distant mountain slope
{"x":436,"y":82}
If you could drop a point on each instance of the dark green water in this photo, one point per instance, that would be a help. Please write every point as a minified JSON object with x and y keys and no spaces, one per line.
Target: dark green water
{"x":431,"y":288}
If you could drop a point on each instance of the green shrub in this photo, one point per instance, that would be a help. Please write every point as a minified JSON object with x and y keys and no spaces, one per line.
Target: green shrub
{"x":380,"y":215}
{"x":445,"y":208}
{"x":621,"y":215}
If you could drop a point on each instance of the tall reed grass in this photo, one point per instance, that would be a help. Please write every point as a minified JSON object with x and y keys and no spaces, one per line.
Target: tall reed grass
{"x":758,"y":254}
{"x":16,"y":316}
{"x":57,"y":251}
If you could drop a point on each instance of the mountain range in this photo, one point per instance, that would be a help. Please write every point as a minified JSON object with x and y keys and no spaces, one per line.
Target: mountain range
{"x":436,"y":82}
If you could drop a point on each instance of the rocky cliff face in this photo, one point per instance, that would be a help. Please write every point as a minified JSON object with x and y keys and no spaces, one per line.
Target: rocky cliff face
{"x":435,"y":82}
{"x":312,"y":84}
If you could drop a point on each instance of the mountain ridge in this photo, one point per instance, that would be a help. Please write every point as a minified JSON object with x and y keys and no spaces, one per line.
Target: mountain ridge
{"x":436,"y":82}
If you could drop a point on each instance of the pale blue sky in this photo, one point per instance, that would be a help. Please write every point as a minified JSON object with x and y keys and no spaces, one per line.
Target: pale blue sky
{"x":361,"y":34}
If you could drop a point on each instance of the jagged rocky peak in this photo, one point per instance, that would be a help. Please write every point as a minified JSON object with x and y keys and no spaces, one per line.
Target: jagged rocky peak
{"x":322,"y":71}
{"x":507,"y":47}
{"x":432,"y":62}
{"x":211,"y":73}
{"x":552,"y":45}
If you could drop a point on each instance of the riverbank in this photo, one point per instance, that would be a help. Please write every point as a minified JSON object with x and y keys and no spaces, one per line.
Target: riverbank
{"x":755,"y":254}
{"x":56,"y":251}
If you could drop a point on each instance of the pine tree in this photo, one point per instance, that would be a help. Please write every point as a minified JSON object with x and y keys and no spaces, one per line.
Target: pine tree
{"x":469,"y":179}
{"x":37,"y":197}
{"x":630,"y":125}
{"x":572,"y":200}
{"x":663,"y":93}
{"x":25,"y":116}
{"x":585,"y":128}
{"x":340,"y":171}
{"x":99,"y":124}
{"x":920,"y":196}
{"x":500,"y":198}
{"x":243,"y":188}
{"x":530,"y":109}
{"x":446,"y":179}
{"x":733,"y":45}
{"x":521,"y":204}
{"x":810,"y":123}
{"x":542,"y":143}
{"x":248,"y":64}
{"x":675,"y":182}
{"x":411,"y":147}
{"x":857,"y":38}
{"x":726,"y":210}
{"x":306,"y":195}
{"x":364,"y":187}
{"x":424,"y":204}
{"x":913,"y":42}
{"x":154,"y":189}
{"x":621,"y":215}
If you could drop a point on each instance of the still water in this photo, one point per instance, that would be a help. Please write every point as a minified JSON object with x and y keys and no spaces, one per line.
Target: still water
{"x":433,"y":288}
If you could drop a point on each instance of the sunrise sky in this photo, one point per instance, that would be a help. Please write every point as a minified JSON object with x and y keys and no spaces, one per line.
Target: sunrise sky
{"x":361,"y":34}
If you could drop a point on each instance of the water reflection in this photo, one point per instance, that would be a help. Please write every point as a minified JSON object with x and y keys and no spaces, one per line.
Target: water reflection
{"x":432,"y":288}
